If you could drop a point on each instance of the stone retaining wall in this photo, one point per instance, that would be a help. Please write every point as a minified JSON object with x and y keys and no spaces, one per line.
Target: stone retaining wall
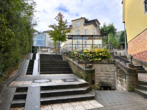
{"x":119,"y":76}
{"x":105,"y":73}
{"x":86,"y":74}
{"x":126,"y":76}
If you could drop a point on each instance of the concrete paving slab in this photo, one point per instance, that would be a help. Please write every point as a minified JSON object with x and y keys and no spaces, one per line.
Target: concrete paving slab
{"x":35,"y":68}
{"x":33,"y":99}
{"x":120,"y":100}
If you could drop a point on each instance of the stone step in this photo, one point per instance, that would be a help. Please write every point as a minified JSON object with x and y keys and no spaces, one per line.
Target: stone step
{"x":29,"y":73}
{"x":19,"y":96}
{"x":30,"y":69}
{"x":18,"y":103}
{"x":63,"y":99}
{"x":21,"y":89}
{"x":53,"y":63}
{"x":34,"y":56}
{"x":51,"y":57}
{"x":141,"y":92}
{"x":143,"y":87}
{"x":54,"y":56}
{"x":138,"y":66}
{"x":54,"y":69}
{"x":56,"y":72}
{"x":142,"y":71}
{"x":52,"y":66}
{"x":20,"y":93}
{"x":56,"y":64}
{"x":64,"y":86}
{"x":142,"y":82}
{"x":63,"y":92}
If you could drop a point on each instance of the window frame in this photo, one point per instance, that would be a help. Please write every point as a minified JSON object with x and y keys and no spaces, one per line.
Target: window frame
{"x":145,"y":6}
{"x":85,"y":43}
{"x":78,"y":24}
{"x":86,"y":32}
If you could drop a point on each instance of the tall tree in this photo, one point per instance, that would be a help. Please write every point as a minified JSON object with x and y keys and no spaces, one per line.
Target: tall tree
{"x":109,"y":30}
{"x":122,"y":40}
{"x":58,"y":34}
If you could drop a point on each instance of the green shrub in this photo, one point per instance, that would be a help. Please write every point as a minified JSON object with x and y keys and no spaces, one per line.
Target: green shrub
{"x":96,"y":54}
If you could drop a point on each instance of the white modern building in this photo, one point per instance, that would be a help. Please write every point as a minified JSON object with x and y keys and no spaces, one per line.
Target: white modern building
{"x":43,"y":41}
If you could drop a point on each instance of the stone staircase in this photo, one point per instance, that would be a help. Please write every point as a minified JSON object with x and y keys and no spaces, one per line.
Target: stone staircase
{"x":142,"y":82}
{"x":142,"y":78}
{"x":65,"y":93}
{"x":53,"y":64}
{"x":70,"y":89}
{"x":140,"y":69}
{"x":31,"y":65}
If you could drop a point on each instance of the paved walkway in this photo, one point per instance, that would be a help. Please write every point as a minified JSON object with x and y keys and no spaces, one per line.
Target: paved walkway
{"x":117,"y":100}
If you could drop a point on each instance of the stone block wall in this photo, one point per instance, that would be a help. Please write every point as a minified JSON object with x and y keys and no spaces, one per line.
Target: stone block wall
{"x":126,"y":77}
{"x":105,"y":73}
{"x":79,"y":70}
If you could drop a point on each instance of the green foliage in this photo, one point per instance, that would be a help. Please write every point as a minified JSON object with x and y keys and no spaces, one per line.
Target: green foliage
{"x":15,"y":32}
{"x":121,"y":39}
{"x":59,"y":31}
{"x":106,"y":30}
{"x":115,"y":39}
{"x":97,"y":54}
{"x":93,"y":54}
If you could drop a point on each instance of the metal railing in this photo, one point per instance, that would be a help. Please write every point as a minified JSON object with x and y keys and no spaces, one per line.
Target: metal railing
{"x":80,"y":47}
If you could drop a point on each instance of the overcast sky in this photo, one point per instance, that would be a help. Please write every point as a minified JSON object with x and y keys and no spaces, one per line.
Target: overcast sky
{"x":106,"y":11}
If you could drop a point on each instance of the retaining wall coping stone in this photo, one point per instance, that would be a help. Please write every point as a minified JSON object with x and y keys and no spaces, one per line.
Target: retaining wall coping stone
{"x":89,"y":71}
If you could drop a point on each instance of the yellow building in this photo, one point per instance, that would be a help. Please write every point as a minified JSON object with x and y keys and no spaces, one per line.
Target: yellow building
{"x":135,"y":19}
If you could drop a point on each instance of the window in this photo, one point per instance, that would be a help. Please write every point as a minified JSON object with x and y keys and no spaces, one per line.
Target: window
{"x":39,"y":40}
{"x":94,"y":32}
{"x":145,"y":5}
{"x":85,"y":32}
{"x":85,"y":42}
{"x":78,"y":44}
{"x":70,"y":45}
{"x":77,"y":24}
{"x":77,"y":32}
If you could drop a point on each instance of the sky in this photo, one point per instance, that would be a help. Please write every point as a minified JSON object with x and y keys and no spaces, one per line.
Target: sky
{"x":106,"y":11}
